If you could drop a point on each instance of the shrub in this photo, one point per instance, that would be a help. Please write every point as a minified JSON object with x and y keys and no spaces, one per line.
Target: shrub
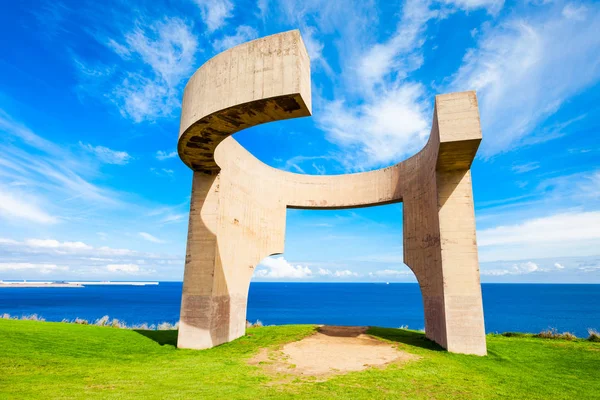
{"x":257,"y":324}
{"x":514,"y":334}
{"x":594,"y":335}
{"x":32,"y":317}
{"x":165,"y":326}
{"x":552,"y":333}
{"x":102,"y":321}
{"x":115,"y":323}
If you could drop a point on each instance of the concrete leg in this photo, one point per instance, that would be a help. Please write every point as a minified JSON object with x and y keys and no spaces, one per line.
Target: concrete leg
{"x":463,"y":308}
{"x":205,"y":304}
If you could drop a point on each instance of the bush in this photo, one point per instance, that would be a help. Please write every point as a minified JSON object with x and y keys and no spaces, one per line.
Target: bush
{"x":594,"y":335}
{"x":257,"y":324}
{"x":552,"y":333}
{"x":115,"y":323}
{"x":165,"y":326}
{"x":102,"y":321}
{"x":514,"y":334}
{"x":32,"y":317}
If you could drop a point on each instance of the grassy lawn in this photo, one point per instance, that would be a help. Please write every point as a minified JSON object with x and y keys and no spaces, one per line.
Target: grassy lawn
{"x":56,"y":360}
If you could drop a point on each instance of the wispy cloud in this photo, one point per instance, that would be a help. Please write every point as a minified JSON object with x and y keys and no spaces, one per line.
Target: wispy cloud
{"x":165,"y":155}
{"x":391,"y":273}
{"x":39,"y":268}
{"x":546,"y":58}
{"x":243,"y":33}
{"x":79,"y":260}
{"x":295,"y":164}
{"x":37,"y":177}
{"x":515,"y":269}
{"x":522,"y":168}
{"x":106,"y":155}
{"x":162,"y":53}
{"x":129,"y":269}
{"x":492,"y":6}
{"x":151,"y":238}
{"x":340,"y":273}
{"x":215,"y":13}
{"x":165,"y":172}
{"x":563,"y":234}
{"x":20,"y":206}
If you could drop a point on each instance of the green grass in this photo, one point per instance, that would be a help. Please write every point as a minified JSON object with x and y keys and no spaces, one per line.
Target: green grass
{"x":57,"y":360}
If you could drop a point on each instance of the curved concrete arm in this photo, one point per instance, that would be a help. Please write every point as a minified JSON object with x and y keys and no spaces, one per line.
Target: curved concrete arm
{"x":264,"y":80}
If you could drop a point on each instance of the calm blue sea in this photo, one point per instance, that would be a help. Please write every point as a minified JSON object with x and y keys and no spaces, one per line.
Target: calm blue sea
{"x":508,"y":307}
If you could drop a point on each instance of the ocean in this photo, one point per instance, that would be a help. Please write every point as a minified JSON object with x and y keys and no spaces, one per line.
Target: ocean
{"x":507,"y":307}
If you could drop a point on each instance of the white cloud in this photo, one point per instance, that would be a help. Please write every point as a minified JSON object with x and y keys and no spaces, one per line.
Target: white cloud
{"x":372,"y":129}
{"x":559,"y":266}
{"x":575,"y":11}
{"x":492,"y":6}
{"x":55,"y":244}
{"x":553,"y":229}
{"x":525,"y":69}
{"x":215,"y":12}
{"x":565,"y":234}
{"x":164,"y":155}
{"x":156,"y":57}
{"x":400,"y":54}
{"x":150,"y":238}
{"x":78,"y":260}
{"x":162,"y":171}
{"x":126,"y":268}
{"x":522,"y":168}
{"x":54,"y":247}
{"x":20,"y":206}
{"x":391,"y":273}
{"x":263,"y":8}
{"x":390,"y":118}
{"x":278,"y":267}
{"x":173,"y":218}
{"x":42,"y":268}
{"x":515,"y":269}
{"x":583,"y":188}
{"x":346,"y":273}
{"x":294,"y":164}
{"x":106,"y":155}
{"x":37,"y":177}
{"x":243,"y":33}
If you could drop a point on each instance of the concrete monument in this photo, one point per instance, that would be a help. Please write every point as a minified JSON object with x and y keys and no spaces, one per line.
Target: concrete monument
{"x":238,"y":205}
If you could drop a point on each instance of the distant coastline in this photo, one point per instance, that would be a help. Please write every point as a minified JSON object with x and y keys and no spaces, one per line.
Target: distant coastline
{"x":65,"y":284}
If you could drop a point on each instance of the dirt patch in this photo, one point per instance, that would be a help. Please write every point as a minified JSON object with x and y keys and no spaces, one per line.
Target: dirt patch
{"x":331,"y":350}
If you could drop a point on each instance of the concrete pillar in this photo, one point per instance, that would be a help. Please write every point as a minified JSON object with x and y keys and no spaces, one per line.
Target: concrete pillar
{"x":205,"y":303}
{"x":463,"y":307}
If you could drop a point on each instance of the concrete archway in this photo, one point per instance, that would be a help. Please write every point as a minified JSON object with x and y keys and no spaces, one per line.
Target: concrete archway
{"x":238,"y":205}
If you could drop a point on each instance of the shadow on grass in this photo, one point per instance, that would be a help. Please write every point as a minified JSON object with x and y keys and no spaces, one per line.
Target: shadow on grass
{"x":411,"y":338}
{"x":164,"y":338}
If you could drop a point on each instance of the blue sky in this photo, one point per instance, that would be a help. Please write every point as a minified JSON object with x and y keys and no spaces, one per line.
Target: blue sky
{"x":91,"y":186}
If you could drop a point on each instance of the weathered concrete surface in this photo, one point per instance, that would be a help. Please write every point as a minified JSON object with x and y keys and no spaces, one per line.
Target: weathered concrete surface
{"x":238,"y":206}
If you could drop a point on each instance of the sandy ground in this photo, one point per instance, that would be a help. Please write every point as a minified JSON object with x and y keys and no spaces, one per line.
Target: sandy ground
{"x":332,"y":350}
